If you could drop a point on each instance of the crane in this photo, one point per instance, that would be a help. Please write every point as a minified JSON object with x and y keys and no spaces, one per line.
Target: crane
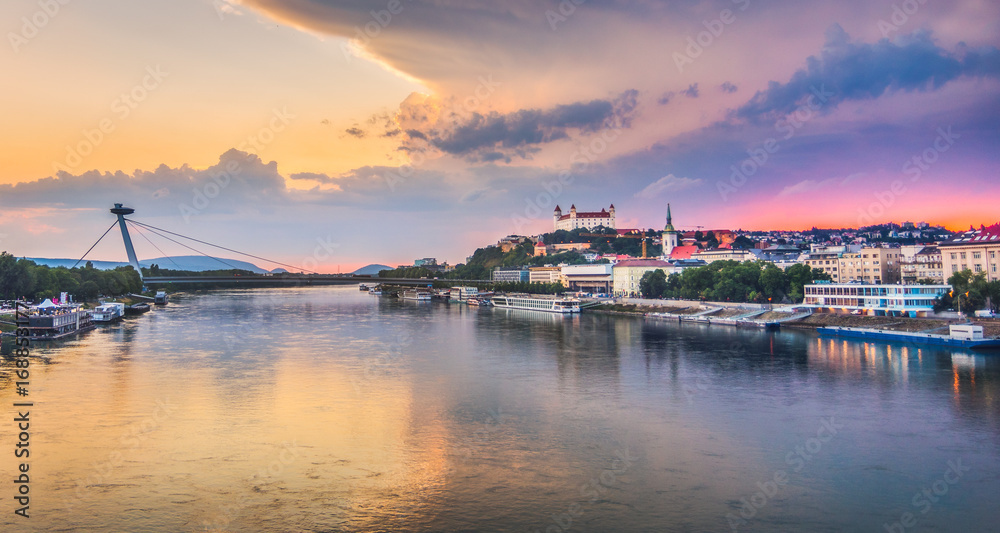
{"x":643,"y":237}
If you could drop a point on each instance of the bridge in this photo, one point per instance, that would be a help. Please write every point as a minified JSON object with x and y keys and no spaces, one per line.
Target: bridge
{"x":296,"y":280}
{"x":304,"y":278}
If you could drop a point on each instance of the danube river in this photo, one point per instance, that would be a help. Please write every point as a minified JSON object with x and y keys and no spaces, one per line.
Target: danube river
{"x":326,"y":409}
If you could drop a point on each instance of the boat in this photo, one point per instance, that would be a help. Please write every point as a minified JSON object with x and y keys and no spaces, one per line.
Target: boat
{"x":53,"y":322}
{"x":537,"y":303}
{"x":362,"y":287}
{"x":137,"y":309}
{"x":376,"y":290}
{"x":462,"y":294}
{"x":959,"y":336}
{"x":160,"y":298}
{"x":108,"y":313}
{"x":416,"y":294}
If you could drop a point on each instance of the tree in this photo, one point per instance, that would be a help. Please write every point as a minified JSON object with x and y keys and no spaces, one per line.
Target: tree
{"x":773,"y":282}
{"x":653,"y":284}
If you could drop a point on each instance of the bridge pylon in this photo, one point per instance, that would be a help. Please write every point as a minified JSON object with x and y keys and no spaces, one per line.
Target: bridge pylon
{"x":121,"y":212}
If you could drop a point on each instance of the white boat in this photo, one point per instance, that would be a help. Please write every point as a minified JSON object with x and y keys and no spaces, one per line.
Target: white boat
{"x":160,"y":298}
{"x":377,"y":291}
{"x":108,"y":312}
{"x":537,"y":303}
{"x":415,"y":294}
{"x":462,"y":294}
{"x":363,"y":287}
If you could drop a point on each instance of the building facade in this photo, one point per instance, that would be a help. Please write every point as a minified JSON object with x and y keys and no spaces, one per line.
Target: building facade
{"x":726,"y":254}
{"x":587,"y":278}
{"x":627,"y":274}
{"x":511,"y":274}
{"x":874,"y":299}
{"x":870,"y":265}
{"x":975,"y":250}
{"x":545,"y":274}
{"x":583,"y":219}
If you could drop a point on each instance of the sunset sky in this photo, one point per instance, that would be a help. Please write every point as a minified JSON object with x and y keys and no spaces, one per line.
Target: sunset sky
{"x":389,"y":130}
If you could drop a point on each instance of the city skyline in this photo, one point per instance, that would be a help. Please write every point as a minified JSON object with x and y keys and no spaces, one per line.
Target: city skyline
{"x":276,"y":126}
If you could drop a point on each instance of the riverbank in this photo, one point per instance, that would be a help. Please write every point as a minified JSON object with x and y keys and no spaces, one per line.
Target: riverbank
{"x":991,"y":327}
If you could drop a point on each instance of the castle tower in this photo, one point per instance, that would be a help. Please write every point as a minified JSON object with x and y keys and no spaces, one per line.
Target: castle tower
{"x":669,"y":236}
{"x":612,"y":212}
{"x":556,"y":215}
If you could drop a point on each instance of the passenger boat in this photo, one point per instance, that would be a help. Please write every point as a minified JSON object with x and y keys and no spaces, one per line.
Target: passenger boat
{"x":160,"y":298}
{"x":107,"y":313}
{"x":416,"y":294}
{"x":959,"y":336}
{"x":362,"y":287}
{"x":376,"y":290}
{"x":537,"y":303}
{"x":462,"y":294}
{"x":52,"y":323}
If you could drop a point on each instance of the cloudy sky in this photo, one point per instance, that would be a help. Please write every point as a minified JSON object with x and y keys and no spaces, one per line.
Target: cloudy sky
{"x":349,"y":132}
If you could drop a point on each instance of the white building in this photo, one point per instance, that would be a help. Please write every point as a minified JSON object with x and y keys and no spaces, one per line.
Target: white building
{"x":583,"y":219}
{"x":870,"y":299}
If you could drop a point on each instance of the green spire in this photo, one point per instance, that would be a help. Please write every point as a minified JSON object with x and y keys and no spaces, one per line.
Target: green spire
{"x":670,"y":224}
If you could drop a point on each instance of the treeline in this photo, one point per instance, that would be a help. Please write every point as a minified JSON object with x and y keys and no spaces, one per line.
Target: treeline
{"x":970,"y":293}
{"x":22,"y":278}
{"x":484,"y":260}
{"x":154,"y":270}
{"x":732,"y":281}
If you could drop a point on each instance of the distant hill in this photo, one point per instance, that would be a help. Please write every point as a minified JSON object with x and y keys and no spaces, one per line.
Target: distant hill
{"x":371,"y":270}
{"x":194,"y":263}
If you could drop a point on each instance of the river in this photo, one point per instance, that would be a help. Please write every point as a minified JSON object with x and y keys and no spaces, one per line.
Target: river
{"x":327,"y":409}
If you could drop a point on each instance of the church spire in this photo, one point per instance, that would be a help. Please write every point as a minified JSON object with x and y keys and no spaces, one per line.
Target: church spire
{"x":670,"y":222}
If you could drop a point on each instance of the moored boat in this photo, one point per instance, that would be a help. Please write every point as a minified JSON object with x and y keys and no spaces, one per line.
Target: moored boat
{"x":108,"y":313}
{"x":960,"y":336}
{"x":137,"y":309}
{"x":417,"y":294}
{"x":54,"y":322}
{"x":537,"y":303}
{"x":160,"y":298}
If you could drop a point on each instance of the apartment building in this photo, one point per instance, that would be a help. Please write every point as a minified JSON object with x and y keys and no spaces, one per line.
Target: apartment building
{"x":975,"y":250}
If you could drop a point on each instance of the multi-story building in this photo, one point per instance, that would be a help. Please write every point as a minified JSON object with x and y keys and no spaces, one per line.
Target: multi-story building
{"x":874,"y":299}
{"x":975,"y":250}
{"x":511,"y":274}
{"x":827,"y":260}
{"x":544,"y":274}
{"x":510,"y":242}
{"x":627,"y":274}
{"x":583,"y":219}
{"x":870,"y":265}
{"x":726,"y":254}
{"x":587,"y":278}
{"x":427,"y":261}
{"x":929,"y":265}
{"x":548,"y":249}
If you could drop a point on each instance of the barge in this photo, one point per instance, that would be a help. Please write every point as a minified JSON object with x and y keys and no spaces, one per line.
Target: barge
{"x":960,"y":336}
{"x":56,"y":323}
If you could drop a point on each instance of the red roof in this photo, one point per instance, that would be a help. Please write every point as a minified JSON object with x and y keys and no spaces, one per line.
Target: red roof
{"x":984,"y":235}
{"x":586,"y":214}
{"x":683,"y":252}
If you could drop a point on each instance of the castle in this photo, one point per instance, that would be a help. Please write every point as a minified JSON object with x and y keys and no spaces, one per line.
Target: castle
{"x":583,"y":219}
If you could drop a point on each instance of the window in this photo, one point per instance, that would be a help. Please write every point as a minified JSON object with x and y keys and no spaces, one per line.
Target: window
{"x":979,"y":268}
{"x":977,"y":255}
{"x":963,"y":255}
{"x":954,"y":257}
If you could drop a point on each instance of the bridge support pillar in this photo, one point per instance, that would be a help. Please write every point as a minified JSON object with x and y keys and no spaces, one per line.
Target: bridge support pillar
{"x":121,"y":212}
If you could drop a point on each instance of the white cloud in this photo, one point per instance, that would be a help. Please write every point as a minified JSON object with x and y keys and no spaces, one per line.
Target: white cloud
{"x":668,"y":183}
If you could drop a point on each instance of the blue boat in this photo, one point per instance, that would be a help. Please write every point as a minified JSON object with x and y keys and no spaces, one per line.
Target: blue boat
{"x":962,"y":336}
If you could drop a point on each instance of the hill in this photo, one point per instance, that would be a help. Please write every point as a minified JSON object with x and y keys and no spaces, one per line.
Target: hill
{"x":371,"y":270}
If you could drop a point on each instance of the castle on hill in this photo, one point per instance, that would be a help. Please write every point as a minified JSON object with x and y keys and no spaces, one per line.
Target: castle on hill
{"x":583,"y":219}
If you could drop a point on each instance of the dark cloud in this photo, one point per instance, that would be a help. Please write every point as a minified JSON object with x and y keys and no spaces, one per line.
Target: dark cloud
{"x":860,"y":71}
{"x":665,"y":98}
{"x":728,"y":87}
{"x":355,"y":132}
{"x":496,"y":136}
{"x":691,"y":91}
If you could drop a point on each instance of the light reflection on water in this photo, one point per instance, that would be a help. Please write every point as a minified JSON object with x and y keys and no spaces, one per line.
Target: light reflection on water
{"x":327,"y":409}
